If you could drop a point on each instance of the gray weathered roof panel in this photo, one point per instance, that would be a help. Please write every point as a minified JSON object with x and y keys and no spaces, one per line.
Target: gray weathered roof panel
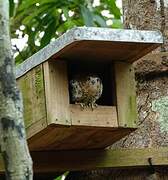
{"x":90,"y":34}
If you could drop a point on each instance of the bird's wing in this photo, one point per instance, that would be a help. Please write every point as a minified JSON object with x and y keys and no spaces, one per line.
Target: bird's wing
{"x":76,"y":90}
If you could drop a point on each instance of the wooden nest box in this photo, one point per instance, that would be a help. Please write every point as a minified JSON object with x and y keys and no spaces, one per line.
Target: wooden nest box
{"x":52,"y":121}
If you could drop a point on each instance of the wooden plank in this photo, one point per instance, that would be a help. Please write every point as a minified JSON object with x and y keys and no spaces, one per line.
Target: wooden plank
{"x":126,"y":94}
{"x":93,"y":159}
{"x":106,"y":51}
{"x":76,"y":137}
{"x":102,"y":116}
{"x":55,"y":161}
{"x":36,"y":127}
{"x":57,"y":94}
{"x":32,"y":88}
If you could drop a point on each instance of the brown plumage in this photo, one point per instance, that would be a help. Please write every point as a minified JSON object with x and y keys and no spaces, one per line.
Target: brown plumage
{"x":86,"y":90}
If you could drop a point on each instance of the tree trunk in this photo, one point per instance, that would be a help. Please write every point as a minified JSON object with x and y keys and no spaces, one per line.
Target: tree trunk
{"x":13,"y":145}
{"x":152,"y":93}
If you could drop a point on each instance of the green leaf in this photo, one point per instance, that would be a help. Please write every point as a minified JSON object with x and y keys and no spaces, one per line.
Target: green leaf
{"x":114,"y":9}
{"x":117,"y":23}
{"x":28,"y":3}
{"x":100,"y":20}
{"x":60,"y":177}
{"x":11,"y":7}
{"x":49,"y":32}
{"x":31,"y":40}
{"x":65,"y":11}
{"x":23,"y":55}
{"x":87,"y":16}
{"x":27,"y":20}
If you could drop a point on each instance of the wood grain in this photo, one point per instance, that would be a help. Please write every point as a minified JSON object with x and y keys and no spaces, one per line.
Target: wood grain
{"x":106,"y":51}
{"x":56,"y":92}
{"x":93,"y":159}
{"x":126,"y":95}
{"x":32,"y":88}
{"x":105,"y":116}
{"x":76,"y":137}
{"x":36,"y":127}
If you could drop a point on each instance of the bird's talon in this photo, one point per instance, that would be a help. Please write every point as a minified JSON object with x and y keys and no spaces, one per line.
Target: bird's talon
{"x":93,"y":106}
{"x":88,"y":105}
{"x":81,"y":105}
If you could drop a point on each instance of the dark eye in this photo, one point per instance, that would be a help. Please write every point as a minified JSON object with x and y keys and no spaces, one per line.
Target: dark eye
{"x":72,"y":82}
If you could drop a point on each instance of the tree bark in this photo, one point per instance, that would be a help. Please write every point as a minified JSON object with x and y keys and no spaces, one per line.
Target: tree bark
{"x":13,"y":145}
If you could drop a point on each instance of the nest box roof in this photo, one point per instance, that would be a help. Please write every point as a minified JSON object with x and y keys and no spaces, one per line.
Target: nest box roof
{"x":95,"y":44}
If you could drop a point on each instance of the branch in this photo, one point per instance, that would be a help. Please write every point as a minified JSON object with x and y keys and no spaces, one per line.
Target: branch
{"x":13,"y":145}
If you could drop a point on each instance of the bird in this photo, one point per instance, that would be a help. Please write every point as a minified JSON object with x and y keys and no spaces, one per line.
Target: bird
{"x":85,"y":90}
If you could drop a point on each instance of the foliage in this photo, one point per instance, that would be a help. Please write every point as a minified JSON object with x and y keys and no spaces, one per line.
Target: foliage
{"x":45,"y":20}
{"x":63,"y":176}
